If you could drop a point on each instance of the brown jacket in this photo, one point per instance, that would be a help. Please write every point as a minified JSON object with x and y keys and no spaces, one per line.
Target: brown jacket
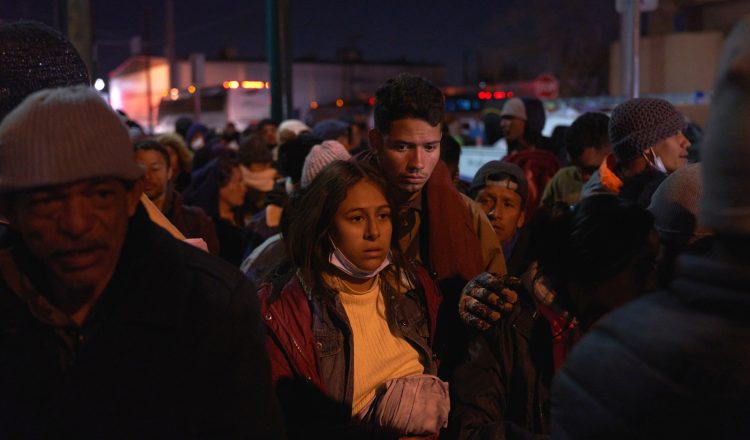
{"x":190,"y":220}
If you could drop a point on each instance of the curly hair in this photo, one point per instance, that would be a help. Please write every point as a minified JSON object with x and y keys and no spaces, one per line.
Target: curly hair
{"x":407,"y":96}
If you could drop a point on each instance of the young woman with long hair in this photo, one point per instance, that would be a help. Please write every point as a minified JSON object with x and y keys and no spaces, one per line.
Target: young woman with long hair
{"x":350,"y":334}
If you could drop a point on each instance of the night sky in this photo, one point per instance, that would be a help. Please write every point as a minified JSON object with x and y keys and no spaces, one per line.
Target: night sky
{"x":436,"y":31}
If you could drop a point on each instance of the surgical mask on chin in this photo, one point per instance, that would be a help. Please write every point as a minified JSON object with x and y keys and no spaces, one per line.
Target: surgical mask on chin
{"x":658,"y":163}
{"x":339,"y":260}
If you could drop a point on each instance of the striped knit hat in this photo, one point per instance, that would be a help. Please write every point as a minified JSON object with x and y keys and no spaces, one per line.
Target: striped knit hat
{"x":59,"y":136}
{"x":320,"y":156}
{"x":640,"y":123}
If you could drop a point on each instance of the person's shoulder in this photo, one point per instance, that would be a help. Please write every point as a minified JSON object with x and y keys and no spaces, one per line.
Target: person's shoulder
{"x":197,"y":271}
{"x":568,"y":172}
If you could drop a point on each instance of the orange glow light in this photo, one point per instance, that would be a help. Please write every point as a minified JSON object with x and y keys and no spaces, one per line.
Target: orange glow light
{"x":268,"y":85}
{"x":314,"y":105}
{"x":191,"y":89}
{"x":339,"y":103}
{"x":234,"y":84}
{"x":252,"y":84}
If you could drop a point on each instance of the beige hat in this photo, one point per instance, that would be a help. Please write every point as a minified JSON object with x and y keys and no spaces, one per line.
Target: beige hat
{"x":59,"y":136}
{"x":514,"y":107}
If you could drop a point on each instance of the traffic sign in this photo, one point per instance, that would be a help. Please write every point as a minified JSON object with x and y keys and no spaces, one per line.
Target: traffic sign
{"x":546,"y":86}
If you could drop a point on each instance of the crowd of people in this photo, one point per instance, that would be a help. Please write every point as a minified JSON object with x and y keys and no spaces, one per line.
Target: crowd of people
{"x":315,"y":282}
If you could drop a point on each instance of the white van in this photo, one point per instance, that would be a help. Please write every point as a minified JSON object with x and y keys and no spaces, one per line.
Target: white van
{"x":218,"y":105}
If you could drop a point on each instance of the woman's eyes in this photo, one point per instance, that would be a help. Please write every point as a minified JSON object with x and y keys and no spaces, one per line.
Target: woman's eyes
{"x":360,"y":218}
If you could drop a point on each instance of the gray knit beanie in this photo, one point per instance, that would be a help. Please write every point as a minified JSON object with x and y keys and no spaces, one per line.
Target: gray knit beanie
{"x":33,"y":57}
{"x":59,"y":136}
{"x":640,"y":123}
{"x":675,"y":207}
{"x":725,"y":150}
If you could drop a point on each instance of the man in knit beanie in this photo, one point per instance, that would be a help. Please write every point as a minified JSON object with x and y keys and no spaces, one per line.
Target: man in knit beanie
{"x":675,"y":364}
{"x":647,"y":140}
{"x":106,"y":319}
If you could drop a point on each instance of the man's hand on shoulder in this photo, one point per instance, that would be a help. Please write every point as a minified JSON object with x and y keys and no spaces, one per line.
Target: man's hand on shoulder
{"x":486,"y":298}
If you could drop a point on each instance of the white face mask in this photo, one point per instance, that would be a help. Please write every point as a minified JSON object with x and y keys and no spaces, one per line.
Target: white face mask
{"x":658,"y":163}
{"x":198,"y":143}
{"x":339,"y":260}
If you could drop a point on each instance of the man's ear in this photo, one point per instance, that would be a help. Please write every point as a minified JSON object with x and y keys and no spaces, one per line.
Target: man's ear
{"x":134,"y":196}
{"x":521,"y":219}
{"x":376,"y":139}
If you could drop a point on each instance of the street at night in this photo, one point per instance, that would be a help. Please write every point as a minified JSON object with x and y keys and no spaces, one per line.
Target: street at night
{"x":272,"y":219}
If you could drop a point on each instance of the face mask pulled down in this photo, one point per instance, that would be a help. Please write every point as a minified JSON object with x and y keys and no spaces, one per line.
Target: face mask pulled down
{"x":339,"y":260}
{"x":657,"y":163}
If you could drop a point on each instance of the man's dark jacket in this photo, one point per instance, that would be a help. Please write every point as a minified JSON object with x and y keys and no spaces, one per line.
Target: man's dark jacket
{"x":501,"y":390}
{"x":673,"y":364}
{"x":173,"y":349}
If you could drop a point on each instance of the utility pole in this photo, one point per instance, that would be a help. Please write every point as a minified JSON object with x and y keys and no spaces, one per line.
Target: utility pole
{"x":630,"y":34}
{"x":286,"y":57}
{"x":169,"y":44}
{"x":279,"y":58}
{"x":630,"y":43}
{"x":77,"y":25}
{"x":147,"y":55}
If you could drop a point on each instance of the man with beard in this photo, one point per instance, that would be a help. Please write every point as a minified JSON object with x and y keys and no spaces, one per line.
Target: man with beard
{"x":158,"y":187}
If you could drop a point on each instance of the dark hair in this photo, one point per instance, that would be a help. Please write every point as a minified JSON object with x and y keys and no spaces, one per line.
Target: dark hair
{"x":225,"y":166}
{"x":253,"y":149}
{"x":312,"y":212}
{"x":206,"y":183}
{"x":407,"y":96}
{"x":450,"y":149}
{"x":588,"y":130}
{"x":292,"y":154}
{"x":589,"y":243}
{"x":264,"y":122}
{"x":150,"y":145}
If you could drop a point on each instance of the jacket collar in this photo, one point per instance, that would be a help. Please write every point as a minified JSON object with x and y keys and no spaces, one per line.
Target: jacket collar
{"x":608,"y":176}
